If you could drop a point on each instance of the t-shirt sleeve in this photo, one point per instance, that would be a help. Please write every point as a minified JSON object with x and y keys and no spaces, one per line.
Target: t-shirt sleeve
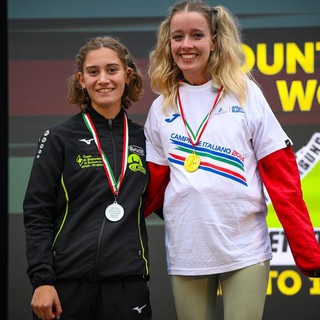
{"x":152,"y":129}
{"x":266,"y":131}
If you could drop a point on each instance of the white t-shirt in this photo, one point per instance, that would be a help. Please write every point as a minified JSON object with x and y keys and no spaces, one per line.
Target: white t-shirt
{"x":214,"y":217}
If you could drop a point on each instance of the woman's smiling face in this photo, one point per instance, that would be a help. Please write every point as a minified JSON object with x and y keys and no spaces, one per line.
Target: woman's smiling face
{"x":191,"y":45}
{"x":104,"y":77}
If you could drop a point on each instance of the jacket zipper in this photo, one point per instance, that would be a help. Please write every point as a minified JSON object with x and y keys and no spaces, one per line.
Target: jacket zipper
{"x":110,"y":127}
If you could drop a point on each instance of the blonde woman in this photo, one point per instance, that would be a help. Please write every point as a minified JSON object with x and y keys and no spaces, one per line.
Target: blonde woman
{"x":212,"y":140}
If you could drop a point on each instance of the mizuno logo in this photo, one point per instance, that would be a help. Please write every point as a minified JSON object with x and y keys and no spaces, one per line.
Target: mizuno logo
{"x":174,"y":117}
{"x":139,"y":309}
{"x":86,"y":141}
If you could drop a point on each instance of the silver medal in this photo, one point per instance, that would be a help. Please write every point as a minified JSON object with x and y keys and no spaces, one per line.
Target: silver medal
{"x":114,"y":212}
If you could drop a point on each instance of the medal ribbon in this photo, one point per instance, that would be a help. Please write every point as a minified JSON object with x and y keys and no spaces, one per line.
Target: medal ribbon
{"x":114,"y":184}
{"x":195,"y":138}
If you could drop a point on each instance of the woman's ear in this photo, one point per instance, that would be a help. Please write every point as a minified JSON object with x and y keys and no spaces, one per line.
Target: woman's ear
{"x":213,"y":43}
{"x":129,"y":73}
{"x":80,"y":79}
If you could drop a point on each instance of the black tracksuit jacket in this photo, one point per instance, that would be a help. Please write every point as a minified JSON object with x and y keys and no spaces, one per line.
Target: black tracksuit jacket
{"x":68,"y":236}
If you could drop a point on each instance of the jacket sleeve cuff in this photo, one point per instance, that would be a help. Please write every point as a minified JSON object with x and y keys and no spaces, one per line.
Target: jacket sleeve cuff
{"x":45,"y":276}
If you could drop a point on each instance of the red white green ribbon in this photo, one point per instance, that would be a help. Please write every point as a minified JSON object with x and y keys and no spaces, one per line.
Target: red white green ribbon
{"x":114,"y":184}
{"x":195,"y":138}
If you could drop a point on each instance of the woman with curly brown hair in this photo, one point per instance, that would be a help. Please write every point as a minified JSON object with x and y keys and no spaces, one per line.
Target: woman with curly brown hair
{"x":86,"y":239}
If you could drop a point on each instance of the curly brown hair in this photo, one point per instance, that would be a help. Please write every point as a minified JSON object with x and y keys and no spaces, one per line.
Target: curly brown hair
{"x":133,"y":91}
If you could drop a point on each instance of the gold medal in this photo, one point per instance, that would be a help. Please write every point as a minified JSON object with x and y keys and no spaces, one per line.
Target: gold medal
{"x":192,"y":162}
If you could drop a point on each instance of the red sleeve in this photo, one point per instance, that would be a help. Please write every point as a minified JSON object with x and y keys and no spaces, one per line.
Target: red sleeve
{"x":159,"y":178}
{"x":280,"y":175}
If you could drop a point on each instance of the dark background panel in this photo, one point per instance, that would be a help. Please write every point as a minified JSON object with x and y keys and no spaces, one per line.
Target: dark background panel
{"x":4,"y":162}
{"x":41,"y":43}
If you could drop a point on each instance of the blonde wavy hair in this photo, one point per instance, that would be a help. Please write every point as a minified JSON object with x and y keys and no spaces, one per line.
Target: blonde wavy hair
{"x":224,"y":65}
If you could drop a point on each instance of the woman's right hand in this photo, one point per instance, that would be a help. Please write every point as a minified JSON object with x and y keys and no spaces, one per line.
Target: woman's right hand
{"x":45,"y":303}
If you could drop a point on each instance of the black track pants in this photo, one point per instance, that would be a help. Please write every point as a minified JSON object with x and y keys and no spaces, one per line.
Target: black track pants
{"x":104,"y":301}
